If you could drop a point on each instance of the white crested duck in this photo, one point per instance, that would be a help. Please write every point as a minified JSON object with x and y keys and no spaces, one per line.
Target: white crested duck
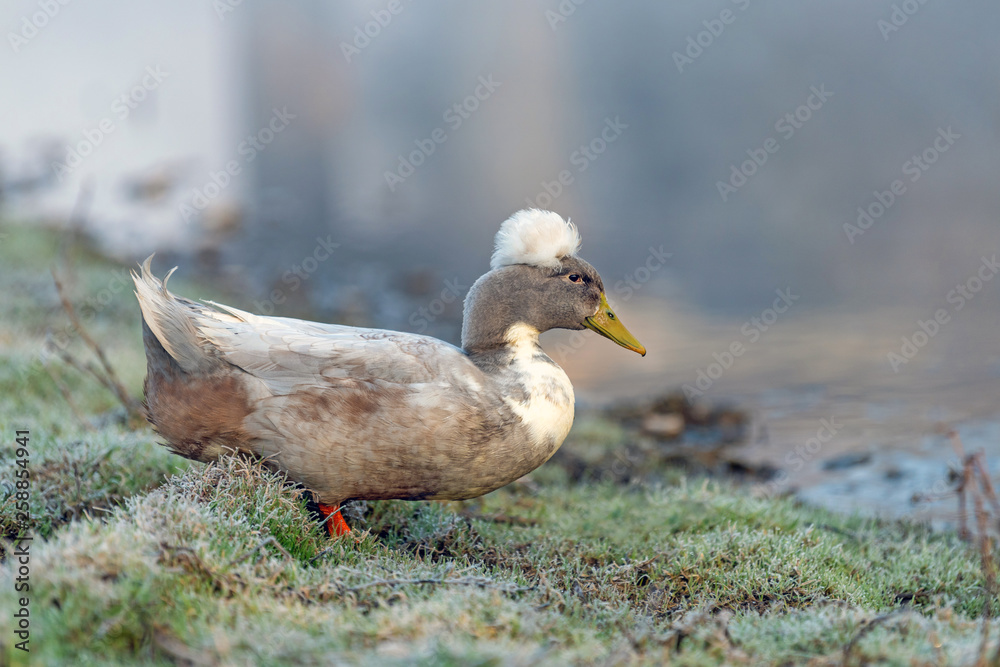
{"x":353,"y":413}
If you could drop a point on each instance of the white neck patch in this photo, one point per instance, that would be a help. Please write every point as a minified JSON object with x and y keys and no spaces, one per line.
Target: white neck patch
{"x":535,"y":237}
{"x":548,"y":410}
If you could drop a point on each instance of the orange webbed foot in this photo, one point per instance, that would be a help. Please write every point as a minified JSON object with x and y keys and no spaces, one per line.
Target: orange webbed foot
{"x":335,"y":524}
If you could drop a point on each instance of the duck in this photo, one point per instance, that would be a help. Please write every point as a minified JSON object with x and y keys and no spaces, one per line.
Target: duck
{"x":355,"y":413}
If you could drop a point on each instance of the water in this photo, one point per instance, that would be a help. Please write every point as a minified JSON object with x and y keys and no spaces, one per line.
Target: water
{"x":848,"y":432}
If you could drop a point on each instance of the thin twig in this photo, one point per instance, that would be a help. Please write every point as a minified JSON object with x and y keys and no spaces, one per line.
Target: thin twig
{"x":320,"y":554}
{"x":979,"y":463}
{"x":500,"y":518}
{"x":989,"y":571}
{"x":469,"y":581}
{"x":868,"y":627}
{"x":956,"y":444}
{"x":839,"y":531}
{"x":111,"y":380}
{"x":83,"y":367}
{"x":258,"y":548}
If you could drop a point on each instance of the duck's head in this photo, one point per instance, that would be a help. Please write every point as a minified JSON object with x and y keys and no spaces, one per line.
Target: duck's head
{"x":537,"y":283}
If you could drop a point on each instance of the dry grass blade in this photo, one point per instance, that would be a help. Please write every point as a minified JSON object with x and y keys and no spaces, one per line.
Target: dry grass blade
{"x":259,"y":548}
{"x":179,"y":651}
{"x":976,"y":484}
{"x":477,"y":582}
{"x":500,"y":518}
{"x":985,"y":484}
{"x":865,"y":629}
{"x":988,"y":561}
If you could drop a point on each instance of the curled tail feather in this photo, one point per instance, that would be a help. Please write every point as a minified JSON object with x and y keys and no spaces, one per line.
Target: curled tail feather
{"x":170,"y":320}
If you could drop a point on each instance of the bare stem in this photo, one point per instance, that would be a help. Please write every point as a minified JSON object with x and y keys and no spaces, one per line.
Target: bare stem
{"x":109,"y":378}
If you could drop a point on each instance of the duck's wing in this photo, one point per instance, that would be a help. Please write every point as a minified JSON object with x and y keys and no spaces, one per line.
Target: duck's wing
{"x":292,"y":355}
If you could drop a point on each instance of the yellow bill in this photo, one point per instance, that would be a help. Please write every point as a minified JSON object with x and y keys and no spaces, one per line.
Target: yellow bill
{"x":606,"y":323}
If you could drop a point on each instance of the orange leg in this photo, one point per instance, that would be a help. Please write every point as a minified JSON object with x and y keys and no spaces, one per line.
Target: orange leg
{"x":335,"y":524}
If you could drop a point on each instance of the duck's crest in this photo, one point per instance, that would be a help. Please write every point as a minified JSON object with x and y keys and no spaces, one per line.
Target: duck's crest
{"x":536,"y":237}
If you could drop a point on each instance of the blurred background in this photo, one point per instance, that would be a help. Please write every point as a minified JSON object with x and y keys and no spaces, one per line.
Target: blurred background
{"x":814,"y":184}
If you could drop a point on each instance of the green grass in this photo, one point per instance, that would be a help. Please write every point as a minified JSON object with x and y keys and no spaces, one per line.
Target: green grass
{"x":78,"y":468}
{"x":141,"y":558}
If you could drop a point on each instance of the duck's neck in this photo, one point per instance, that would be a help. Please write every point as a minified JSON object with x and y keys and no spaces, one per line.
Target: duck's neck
{"x":486,"y":318}
{"x":500,"y":314}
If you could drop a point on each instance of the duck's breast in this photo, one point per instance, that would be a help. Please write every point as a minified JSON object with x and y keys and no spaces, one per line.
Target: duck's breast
{"x":540,"y":393}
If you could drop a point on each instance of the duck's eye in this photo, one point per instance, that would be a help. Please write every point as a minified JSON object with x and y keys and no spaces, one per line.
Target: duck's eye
{"x":574,"y":278}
